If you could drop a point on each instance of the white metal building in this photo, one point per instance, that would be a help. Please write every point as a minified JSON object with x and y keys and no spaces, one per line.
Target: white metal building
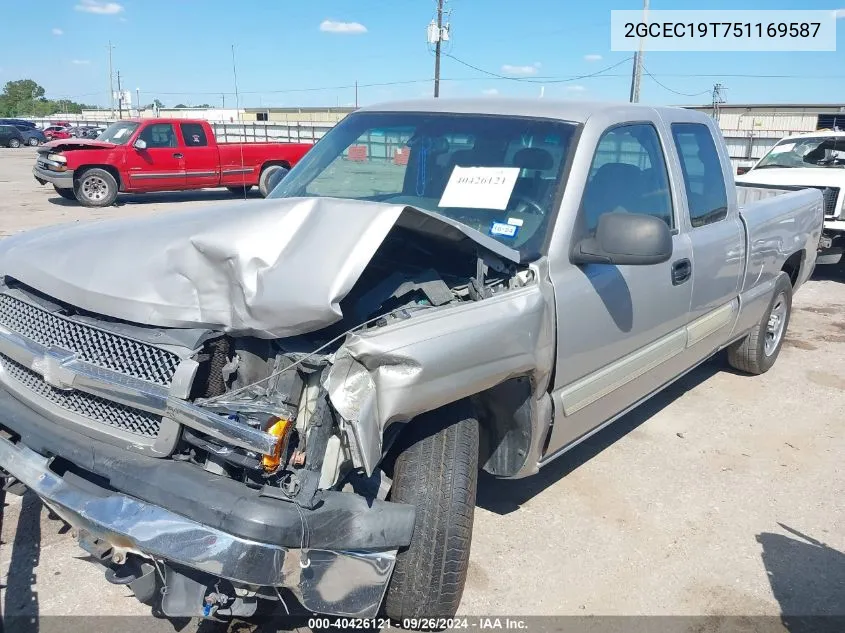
{"x":750,"y":130}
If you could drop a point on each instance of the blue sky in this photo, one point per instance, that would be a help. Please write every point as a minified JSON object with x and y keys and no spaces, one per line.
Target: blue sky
{"x":288,"y":52}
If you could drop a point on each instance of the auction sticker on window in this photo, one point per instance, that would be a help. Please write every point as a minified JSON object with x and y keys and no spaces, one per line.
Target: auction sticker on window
{"x":480,"y":188}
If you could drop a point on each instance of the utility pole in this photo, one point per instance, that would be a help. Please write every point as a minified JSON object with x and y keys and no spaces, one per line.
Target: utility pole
{"x":356,"y":94}
{"x":223,"y":94}
{"x":111,"y":78}
{"x":119,"y":97}
{"x":437,"y":33}
{"x":638,"y":63}
{"x":138,"y":101}
{"x":718,"y":100}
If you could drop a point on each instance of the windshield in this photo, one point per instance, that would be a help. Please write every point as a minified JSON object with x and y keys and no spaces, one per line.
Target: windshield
{"x":496,"y":174}
{"x":817,"y":151}
{"x":118,"y":133}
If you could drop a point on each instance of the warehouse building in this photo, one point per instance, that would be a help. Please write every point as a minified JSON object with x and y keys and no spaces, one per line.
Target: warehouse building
{"x":750,"y":130}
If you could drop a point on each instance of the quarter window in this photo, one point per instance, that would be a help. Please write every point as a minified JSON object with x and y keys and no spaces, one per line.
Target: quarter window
{"x":628,"y":174}
{"x":704,"y":181}
{"x":194,"y":135}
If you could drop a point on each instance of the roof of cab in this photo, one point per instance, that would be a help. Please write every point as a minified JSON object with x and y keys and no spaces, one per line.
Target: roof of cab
{"x":575,"y":111}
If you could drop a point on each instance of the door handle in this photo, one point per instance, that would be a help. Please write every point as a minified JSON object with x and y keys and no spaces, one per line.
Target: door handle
{"x":681,"y":271}
{"x":178,"y":155}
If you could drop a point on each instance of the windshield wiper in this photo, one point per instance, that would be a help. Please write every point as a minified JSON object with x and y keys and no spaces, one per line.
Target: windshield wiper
{"x":770,"y":166}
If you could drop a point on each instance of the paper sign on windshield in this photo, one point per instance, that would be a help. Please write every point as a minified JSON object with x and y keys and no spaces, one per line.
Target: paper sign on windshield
{"x":480,"y":187}
{"x":780,"y":149}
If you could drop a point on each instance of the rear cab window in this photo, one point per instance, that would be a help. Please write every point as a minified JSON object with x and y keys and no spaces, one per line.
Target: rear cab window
{"x":193,"y":134}
{"x":704,"y":181}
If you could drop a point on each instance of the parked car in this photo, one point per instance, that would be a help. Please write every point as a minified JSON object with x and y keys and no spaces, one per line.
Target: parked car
{"x":55,"y":132}
{"x":31,"y":135}
{"x":298,"y":394}
{"x":17,"y":122}
{"x":10,"y":136}
{"x":139,"y":156}
{"x":94,"y":132}
{"x":815,"y":160}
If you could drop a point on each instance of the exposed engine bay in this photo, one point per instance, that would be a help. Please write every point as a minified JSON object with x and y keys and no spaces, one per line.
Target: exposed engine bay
{"x":281,"y":386}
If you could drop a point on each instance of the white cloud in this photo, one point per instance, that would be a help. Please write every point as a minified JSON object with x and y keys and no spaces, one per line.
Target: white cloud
{"x":576,"y":88}
{"x":592,"y":58}
{"x":331,"y":26}
{"x":510,"y":69}
{"x":80,"y":62}
{"x":57,"y":32}
{"x":839,"y":14}
{"x":490,"y":92}
{"x":99,"y":7}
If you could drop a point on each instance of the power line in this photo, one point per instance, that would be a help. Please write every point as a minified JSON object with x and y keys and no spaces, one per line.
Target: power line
{"x":550,"y":80}
{"x":665,"y":87}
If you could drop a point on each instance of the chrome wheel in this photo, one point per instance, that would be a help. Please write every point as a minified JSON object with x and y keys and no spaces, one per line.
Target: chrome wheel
{"x":95,"y":188}
{"x":33,"y":141}
{"x":775,"y":325}
{"x":14,"y":143}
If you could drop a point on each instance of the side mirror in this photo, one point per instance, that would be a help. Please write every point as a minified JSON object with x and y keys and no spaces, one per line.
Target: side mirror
{"x":140,"y":144}
{"x":632,"y":239}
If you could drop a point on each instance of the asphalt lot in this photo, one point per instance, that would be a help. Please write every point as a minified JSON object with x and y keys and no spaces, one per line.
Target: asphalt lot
{"x":725,"y":495}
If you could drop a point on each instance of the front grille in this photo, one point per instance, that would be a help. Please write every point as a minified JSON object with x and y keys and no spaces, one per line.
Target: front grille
{"x":90,"y":344}
{"x":830,"y":195}
{"x":98,"y":409}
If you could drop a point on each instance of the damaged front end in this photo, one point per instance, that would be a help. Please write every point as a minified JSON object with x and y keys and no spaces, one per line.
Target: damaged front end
{"x":233,"y":446}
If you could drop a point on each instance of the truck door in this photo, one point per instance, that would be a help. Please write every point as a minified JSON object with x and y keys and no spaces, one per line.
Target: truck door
{"x":621,"y":329}
{"x":715,"y":232}
{"x":202,"y":161}
{"x":160,"y":165}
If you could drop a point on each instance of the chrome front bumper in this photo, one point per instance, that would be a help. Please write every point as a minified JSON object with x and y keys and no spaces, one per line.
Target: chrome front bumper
{"x":345,"y":583}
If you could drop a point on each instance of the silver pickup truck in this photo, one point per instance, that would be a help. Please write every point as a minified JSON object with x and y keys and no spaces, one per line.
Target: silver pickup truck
{"x":291,"y":398}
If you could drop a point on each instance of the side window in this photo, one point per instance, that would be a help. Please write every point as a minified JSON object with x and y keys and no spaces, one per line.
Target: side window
{"x":703,"y":178}
{"x":194,"y":134}
{"x":158,"y":135}
{"x":628,"y":174}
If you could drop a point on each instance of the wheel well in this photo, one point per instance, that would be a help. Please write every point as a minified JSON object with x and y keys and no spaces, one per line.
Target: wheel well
{"x":116,"y":174}
{"x":792,"y":266}
{"x":270,"y":163}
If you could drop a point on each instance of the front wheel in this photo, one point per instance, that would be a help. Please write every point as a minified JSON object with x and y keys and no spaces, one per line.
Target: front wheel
{"x":436,"y":470}
{"x":95,"y":188}
{"x":758,"y":351}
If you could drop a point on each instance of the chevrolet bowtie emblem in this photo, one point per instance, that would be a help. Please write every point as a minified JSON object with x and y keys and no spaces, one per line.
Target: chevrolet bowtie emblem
{"x":52,"y":367}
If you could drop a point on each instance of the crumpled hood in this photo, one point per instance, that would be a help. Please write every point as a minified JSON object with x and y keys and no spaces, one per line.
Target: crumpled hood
{"x":67,"y":144}
{"x":271,"y":268}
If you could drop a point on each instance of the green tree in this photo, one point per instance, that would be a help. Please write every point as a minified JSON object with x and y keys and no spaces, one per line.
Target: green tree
{"x":180,"y":105}
{"x":24,"y":97}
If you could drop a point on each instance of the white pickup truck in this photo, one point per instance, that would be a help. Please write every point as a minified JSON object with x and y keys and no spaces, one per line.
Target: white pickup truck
{"x":815,"y":160}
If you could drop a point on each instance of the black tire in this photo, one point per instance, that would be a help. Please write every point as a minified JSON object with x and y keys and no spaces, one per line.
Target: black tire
{"x":757,"y":352}
{"x":95,"y":188}
{"x":32,"y":142}
{"x":14,"y":143}
{"x":269,"y":178}
{"x":67,"y":194}
{"x":436,"y":470}
{"x":239,"y":191}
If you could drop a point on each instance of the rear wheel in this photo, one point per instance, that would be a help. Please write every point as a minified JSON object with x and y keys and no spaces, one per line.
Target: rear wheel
{"x":436,"y":470}
{"x":758,"y":351}
{"x":67,"y":194}
{"x":95,"y":188}
{"x":14,"y":143}
{"x":269,"y":178}
{"x":240,"y":191}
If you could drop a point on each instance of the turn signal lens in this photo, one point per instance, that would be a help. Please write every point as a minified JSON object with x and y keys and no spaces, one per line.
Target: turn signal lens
{"x":281,"y":429}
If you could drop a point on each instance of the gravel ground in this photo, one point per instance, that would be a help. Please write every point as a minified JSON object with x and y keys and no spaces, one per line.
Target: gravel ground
{"x":723,"y":496}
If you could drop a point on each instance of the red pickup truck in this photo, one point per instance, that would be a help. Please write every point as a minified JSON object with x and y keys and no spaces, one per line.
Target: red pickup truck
{"x":139,"y":156}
